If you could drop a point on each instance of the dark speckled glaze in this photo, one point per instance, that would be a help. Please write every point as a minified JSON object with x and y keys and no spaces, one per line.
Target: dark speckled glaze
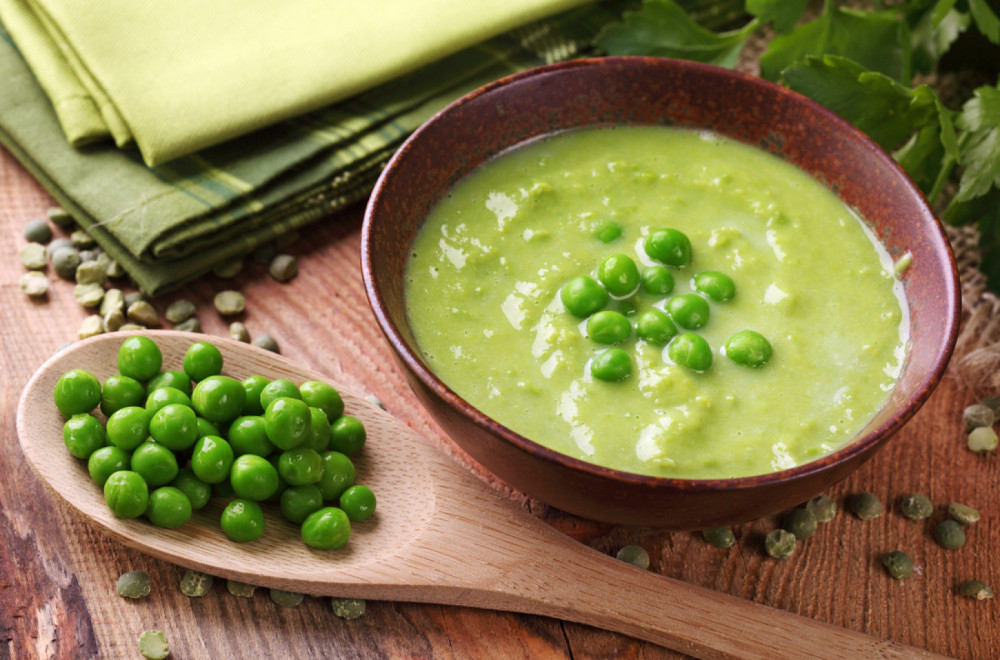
{"x":668,"y":92}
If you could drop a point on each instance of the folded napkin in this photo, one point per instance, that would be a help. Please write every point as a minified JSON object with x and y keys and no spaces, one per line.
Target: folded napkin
{"x":177,"y":77}
{"x":169,"y":223}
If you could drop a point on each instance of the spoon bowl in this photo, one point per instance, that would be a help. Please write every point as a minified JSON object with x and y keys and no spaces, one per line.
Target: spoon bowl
{"x":439,"y":535}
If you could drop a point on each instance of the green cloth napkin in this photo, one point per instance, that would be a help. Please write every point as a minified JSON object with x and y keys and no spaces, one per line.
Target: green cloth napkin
{"x":179,"y":76}
{"x":171,"y":223}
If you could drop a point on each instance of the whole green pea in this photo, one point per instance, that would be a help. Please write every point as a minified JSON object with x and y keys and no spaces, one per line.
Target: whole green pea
{"x":319,"y":430}
{"x":128,"y":428}
{"x":326,"y":529}
{"x":83,"y":434}
{"x":252,"y":387}
{"x":608,"y":231}
{"x":655,"y":327}
{"x":717,"y":286}
{"x":583,"y":295}
{"x":219,"y":399}
{"x":202,"y":360}
{"x":168,"y":507}
{"x":358,"y":502}
{"x":690,"y":350}
{"x":608,"y":327}
{"x":155,"y":463}
{"x":300,"y":467}
{"x":282,"y":387}
{"x":253,"y":477}
{"x":619,"y":274}
{"x":174,"y":378}
{"x":749,"y":348}
{"x":174,"y":426}
{"x":247,"y":435}
{"x":288,"y":422}
{"x":324,"y":396}
{"x":139,"y":358}
{"x":657,"y":281}
{"x":348,"y":435}
{"x":689,"y":311}
{"x":242,"y":520}
{"x":198,"y":492}
{"x":612,"y":366}
{"x":126,"y":494}
{"x":121,"y":391}
{"x":212,"y":459}
{"x":77,"y":391}
{"x":164,"y":396}
{"x":669,"y":246}
{"x":297,"y":502}
{"x":105,"y":461}
{"x":338,"y":475}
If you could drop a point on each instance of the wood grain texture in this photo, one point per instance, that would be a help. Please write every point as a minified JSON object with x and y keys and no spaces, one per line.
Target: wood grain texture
{"x":57,"y":573}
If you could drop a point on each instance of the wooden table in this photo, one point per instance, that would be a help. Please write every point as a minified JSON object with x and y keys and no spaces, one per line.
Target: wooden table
{"x":57,"y":575}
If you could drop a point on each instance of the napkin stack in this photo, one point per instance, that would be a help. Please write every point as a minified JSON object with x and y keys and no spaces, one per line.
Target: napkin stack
{"x":183,"y":134}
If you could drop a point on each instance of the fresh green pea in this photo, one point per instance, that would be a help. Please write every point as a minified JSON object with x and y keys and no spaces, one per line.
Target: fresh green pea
{"x":582,"y":296}
{"x":139,"y":358}
{"x":164,"y":396}
{"x":300,"y":467}
{"x":358,"y":502}
{"x":126,"y":494}
{"x":657,"y":281}
{"x":202,"y":360}
{"x":197,"y":491}
{"x":338,"y":475}
{"x":155,"y":463}
{"x":77,"y":391}
{"x":655,"y":327}
{"x":253,"y":386}
{"x":288,"y":422}
{"x":247,"y":435}
{"x":168,"y":507}
{"x":212,"y":459}
{"x":608,"y":327}
{"x":83,"y":434}
{"x":242,"y":520}
{"x":253,"y":477}
{"x":619,"y":274}
{"x":324,"y":396}
{"x":717,"y":286}
{"x":282,"y":387}
{"x":669,"y":246}
{"x":121,"y":391}
{"x":171,"y":378}
{"x":326,"y":529}
{"x":128,"y":428}
{"x":206,"y":427}
{"x":175,"y":426}
{"x":689,"y":311}
{"x":749,"y":349}
{"x":297,"y":502}
{"x":690,"y":350}
{"x":319,"y":431}
{"x":219,"y":399}
{"x":608,"y":232}
{"x":611,"y":366}
{"x":105,"y":461}
{"x":348,"y":435}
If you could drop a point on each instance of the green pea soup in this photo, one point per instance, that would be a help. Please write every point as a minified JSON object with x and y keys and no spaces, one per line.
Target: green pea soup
{"x":487,"y":267}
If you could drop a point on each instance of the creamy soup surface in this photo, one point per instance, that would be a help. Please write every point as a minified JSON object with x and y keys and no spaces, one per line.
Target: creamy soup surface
{"x":483,"y":296}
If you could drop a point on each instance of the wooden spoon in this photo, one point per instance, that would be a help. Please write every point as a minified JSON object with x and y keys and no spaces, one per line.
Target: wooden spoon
{"x":440,"y":535}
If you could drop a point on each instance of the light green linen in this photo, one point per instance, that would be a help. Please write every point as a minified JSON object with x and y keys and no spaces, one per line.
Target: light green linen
{"x":179,"y":76}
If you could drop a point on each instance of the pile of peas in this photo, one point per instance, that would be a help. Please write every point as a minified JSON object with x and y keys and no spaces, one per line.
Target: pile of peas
{"x":167,"y":447}
{"x":618,"y":276}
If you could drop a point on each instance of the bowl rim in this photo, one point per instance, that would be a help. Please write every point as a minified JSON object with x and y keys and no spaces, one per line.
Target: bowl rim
{"x":856,"y":448}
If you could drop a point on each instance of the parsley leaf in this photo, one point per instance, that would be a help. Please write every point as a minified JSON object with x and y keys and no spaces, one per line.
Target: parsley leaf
{"x":980,"y":118}
{"x":662,"y":28}
{"x":985,"y":19}
{"x":879,"y":41}
{"x":935,"y":32}
{"x":783,"y":14}
{"x":886,"y":110}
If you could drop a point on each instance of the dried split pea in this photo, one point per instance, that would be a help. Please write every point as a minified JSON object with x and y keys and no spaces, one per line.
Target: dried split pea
{"x":963,"y":514}
{"x":917,"y":507}
{"x":348,"y":608}
{"x":899,"y":564}
{"x":134,"y":584}
{"x":801,"y":523}
{"x":978,"y":415}
{"x":153,"y":645}
{"x":982,"y":440}
{"x":196,"y":584}
{"x":779,"y":543}
{"x":720,"y":537}
{"x":34,"y":284}
{"x":823,"y":507}
{"x":635,"y":555}
{"x":866,"y":506}
{"x":949,"y":535}
{"x":975,"y":589}
{"x":240,"y":589}
{"x":286,"y":598}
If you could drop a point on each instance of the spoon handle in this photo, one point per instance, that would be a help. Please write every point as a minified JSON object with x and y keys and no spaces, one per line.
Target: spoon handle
{"x":514,"y":562}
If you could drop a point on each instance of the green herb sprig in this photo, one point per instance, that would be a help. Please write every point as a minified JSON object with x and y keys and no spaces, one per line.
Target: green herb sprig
{"x":861,"y":63}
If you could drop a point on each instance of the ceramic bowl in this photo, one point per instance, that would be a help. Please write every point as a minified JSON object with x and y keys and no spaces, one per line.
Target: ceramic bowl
{"x":657,"y":91}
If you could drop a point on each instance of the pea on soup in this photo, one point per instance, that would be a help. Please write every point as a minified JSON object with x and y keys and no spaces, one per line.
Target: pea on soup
{"x":660,"y":301}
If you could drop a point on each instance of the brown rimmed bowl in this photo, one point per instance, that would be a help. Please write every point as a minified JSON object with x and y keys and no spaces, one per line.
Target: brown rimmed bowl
{"x":657,"y":91}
